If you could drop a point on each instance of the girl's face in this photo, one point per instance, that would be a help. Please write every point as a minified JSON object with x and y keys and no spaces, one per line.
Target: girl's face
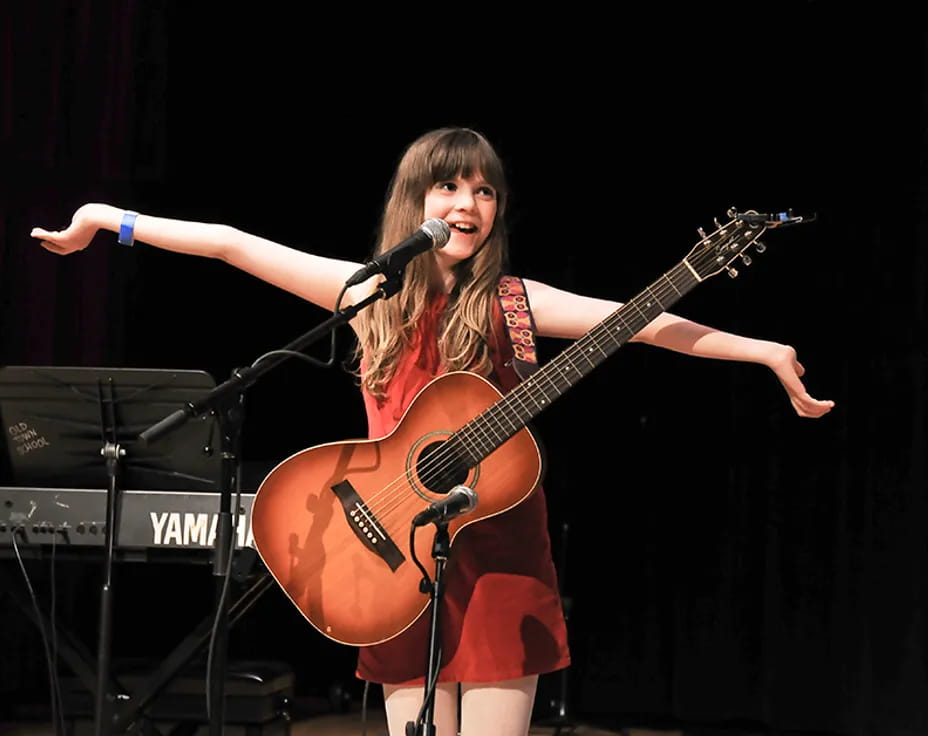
{"x":469,"y":207}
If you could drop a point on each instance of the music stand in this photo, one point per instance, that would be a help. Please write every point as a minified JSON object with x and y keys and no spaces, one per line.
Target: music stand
{"x":82,"y":424}
{"x":55,"y":423}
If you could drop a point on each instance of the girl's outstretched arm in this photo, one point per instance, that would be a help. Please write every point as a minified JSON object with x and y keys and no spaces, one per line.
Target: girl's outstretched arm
{"x":314,"y":278}
{"x":559,"y":313}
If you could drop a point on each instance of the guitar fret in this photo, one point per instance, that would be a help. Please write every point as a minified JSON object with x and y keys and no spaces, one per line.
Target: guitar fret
{"x":555,"y":366}
{"x":486,"y":446}
{"x":584,"y":352}
{"x":496,"y":426}
{"x":500,"y":431}
{"x":545,"y":374}
{"x":513,"y":425}
{"x":459,"y":441}
{"x":577,"y":369}
{"x":655,"y":299}
{"x":615,"y":340}
{"x":528,"y":390}
{"x":618,"y":316}
{"x":634,"y":303}
{"x":477,"y":432}
{"x":515,"y":400}
{"x":559,"y":366}
{"x":672,"y":285}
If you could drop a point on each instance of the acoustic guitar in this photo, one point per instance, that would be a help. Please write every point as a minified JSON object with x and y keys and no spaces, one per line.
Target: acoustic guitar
{"x":333,"y":523}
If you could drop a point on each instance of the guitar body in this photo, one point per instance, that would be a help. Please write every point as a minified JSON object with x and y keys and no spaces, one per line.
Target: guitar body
{"x":332,"y":522}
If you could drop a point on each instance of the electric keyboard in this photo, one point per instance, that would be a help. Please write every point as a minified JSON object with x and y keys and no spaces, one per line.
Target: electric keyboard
{"x":146,"y":520}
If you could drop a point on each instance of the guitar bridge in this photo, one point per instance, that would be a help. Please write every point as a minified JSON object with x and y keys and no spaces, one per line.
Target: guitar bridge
{"x":366,"y":527}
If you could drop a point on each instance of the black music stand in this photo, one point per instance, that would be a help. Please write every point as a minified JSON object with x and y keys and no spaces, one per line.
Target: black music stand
{"x":56,"y":421}
{"x":81,"y":425}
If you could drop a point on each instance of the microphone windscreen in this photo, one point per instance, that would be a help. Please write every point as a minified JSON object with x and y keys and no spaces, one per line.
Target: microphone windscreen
{"x":438,"y":230}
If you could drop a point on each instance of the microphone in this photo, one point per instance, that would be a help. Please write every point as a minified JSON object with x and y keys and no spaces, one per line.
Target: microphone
{"x":459,"y":500}
{"x":433,"y":233}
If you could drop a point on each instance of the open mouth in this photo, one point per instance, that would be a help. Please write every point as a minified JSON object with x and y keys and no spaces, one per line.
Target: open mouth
{"x":463,"y":227}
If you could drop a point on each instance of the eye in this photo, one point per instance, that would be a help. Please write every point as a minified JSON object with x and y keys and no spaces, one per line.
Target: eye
{"x":446,"y":186}
{"x":486,"y":191}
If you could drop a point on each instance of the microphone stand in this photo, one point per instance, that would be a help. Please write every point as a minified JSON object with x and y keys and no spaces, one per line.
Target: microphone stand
{"x":425,"y":724}
{"x":226,"y":399}
{"x":230,"y":428}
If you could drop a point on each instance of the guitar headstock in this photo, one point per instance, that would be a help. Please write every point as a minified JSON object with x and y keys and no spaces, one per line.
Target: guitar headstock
{"x":718,"y":250}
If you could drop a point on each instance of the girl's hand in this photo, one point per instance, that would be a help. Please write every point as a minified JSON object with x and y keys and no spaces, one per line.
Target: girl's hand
{"x":789,"y":371}
{"x":75,"y":237}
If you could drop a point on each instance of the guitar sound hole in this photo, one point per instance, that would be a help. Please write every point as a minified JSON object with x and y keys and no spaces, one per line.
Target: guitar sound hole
{"x":439,"y":468}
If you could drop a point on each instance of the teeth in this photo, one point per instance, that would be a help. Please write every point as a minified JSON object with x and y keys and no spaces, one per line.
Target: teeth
{"x":465,"y":228}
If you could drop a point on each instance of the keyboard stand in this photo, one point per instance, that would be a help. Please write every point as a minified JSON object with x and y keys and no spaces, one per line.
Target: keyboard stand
{"x":128,"y":707}
{"x":127,"y":711}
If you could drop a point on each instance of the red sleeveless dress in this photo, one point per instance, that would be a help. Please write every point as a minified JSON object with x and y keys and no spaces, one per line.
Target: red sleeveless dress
{"x":501,"y":614}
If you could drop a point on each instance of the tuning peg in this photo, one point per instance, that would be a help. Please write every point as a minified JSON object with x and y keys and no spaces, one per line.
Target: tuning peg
{"x":718,"y":224}
{"x":702,"y":233}
{"x":732,"y":272}
{"x":746,"y":259}
{"x":760,"y":247}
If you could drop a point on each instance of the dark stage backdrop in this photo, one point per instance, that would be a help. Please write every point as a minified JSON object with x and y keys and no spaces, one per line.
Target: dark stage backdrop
{"x":726,"y":563}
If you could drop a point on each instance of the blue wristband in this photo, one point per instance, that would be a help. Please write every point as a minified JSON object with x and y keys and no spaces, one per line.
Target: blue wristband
{"x":127,"y":228}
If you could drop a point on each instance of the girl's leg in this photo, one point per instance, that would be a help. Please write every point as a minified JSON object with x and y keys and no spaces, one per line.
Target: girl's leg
{"x":498,"y":708}
{"x":403,"y":704}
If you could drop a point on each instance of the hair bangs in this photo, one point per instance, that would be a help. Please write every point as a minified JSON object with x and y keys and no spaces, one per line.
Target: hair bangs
{"x":464,"y":152}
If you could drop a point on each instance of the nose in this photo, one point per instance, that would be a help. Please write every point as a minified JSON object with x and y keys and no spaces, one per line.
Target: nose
{"x":464,"y":199}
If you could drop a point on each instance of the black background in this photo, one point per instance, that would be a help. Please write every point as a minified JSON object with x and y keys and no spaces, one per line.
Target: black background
{"x":727,"y":562}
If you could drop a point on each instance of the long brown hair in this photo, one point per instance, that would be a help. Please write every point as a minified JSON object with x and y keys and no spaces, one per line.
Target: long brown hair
{"x":385,"y":329}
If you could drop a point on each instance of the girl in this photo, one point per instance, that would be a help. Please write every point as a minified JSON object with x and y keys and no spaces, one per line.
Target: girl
{"x":502,"y":623}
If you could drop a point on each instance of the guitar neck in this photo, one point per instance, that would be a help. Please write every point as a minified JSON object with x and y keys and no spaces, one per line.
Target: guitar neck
{"x":491,"y":428}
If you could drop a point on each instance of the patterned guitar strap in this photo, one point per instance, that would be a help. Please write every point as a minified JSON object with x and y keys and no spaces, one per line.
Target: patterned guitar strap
{"x":517,"y":314}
